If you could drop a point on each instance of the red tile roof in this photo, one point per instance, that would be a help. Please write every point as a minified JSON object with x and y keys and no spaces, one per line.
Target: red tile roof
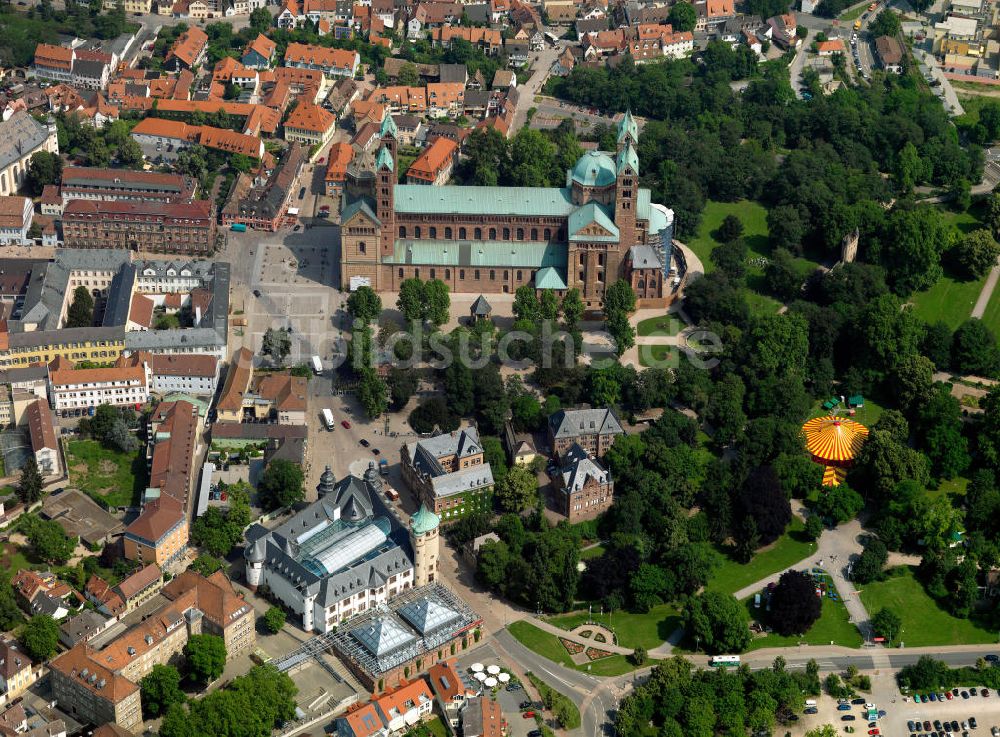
{"x":433,"y":160}
{"x":188,"y":46}
{"x":81,"y":658}
{"x":157,"y":519}
{"x":309,"y":117}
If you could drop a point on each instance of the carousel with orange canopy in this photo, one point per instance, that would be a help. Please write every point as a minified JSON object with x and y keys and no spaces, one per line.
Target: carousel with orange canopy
{"x":834,"y":442}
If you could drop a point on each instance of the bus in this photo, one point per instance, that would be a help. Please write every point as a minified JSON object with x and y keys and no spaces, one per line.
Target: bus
{"x":720,"y":661}
{"x":328,"y":419}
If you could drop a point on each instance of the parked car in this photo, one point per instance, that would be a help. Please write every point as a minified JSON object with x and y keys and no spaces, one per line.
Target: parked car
{"x":848,"y":718}
{"x":844,"y":707}
{"x":528,"y":715}
{"x":811,"y":710}
{"x":364,"y":443}
{"x":973,"y":723}
{"x":345,"y":424}
{"x":948,"y":695}
{"x":984,"y":692}
{"x":965,"y":694}
{"x":524,"y":705}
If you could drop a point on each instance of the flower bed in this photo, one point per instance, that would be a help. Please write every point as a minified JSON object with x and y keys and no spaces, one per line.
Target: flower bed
{"x":594,"y":654}
{"x":573,"y":648}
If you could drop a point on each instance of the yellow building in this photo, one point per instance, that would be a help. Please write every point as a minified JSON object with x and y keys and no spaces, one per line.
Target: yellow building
{"x":159,"y":535}
{"x":100,"y":345}
{"x":16,"y":671}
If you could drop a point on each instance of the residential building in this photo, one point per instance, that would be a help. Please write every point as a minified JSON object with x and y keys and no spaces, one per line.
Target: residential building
{"x":344,"y":554}
{"x":15,"y":220}
{"x":159,"y":535}
{"x":445,"y":98}
{"x":159,"y":137}
{"x":86,"y":183}
{"x":21,"y":137}
{"x":91,"y":693}
{"x":890,"y":54}
{"x":278,"y":395}
{"x":229,"y":408}
{"x":339,"y":158}
{"x":21,"y":349}
{"x":173,"y":441}
{"x":309,"y":124}
{"x":576,"y":236}
{"x":451,"y":689}
{"x":40,"y":592}
{"x":71,"y":388}
{"x":195,"y":373}
{"x":259,"y":53}
{"x":830,"y":47}
{"x":177,"y":228}
{"x":483,"y":717}
{"x":224,"y":612}
{"x":435,"y":163}
{"x":520,"y":446}
{"x":84,"y":627}
{"x":594,"y":430}
{"x":332,"y":62}
{"x":449,"y":473}
{"x":263,"y":201}
{"x":254,"y":120}
{"x":42,"y":435}
{"x":16,"y":671}
{"x":488,"y":40}
{"x":406,"y":705}
{"x":584,"y":486}
{"x":54,"y":62}
{"x":187,"y":51}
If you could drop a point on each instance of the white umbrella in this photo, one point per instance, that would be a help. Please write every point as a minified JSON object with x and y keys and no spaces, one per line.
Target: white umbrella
{"x":480,"y":676}
{"x":493,"y":669}
{"x":476,"y":667}
{"x":490,"y":682}
{"x":504,"y":677}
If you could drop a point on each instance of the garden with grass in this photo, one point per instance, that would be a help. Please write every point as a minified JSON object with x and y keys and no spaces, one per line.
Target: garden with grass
{"x":648,"y":630}
{"x":656,"y":355}
{"x":662,"y":326}
{"x":924,"y":622}
{"x":109,"y":477}
{"x":548,"y":646}
{"x":785,"y":552}
{"x":833,"y":626}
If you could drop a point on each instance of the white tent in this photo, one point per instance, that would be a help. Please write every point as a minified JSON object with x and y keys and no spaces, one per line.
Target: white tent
{"x":490,"y":682}
{"x":503,"y":677}
{"x":480,"y":676}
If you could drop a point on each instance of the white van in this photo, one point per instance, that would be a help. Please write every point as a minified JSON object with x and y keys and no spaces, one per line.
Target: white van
{"x":810,"y":702}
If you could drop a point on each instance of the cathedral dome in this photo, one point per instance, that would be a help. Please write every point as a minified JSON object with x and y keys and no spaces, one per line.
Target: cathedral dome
{"x":594,"y":169}
{"x":423,"y":521}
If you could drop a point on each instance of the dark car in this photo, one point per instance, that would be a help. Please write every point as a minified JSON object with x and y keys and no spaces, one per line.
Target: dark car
{"x":848,"y":718}
{"x":992,"y":657}
{"x":965,"y":694}
{"x":364,"y":443}
{"x":811,"y":710}
{"x":297,"y":228}
{"x":910,"y":725}
{"x":302,"y":193}
{"x":256,"y":293}
{"x":376,"y":451}
{"x":984,"y":692}
{"x":927,"y":726}
{"x":524,"y":705}
{"x":973,"y":723}
{"x":858,"y":701}
{"x":937,"y":725}
{"x":843,"y":707}
{"x":953,"y":726}
{"x":932,"y":696}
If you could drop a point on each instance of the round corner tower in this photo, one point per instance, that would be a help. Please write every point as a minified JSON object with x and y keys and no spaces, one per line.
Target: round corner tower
{"x":425,"y":540}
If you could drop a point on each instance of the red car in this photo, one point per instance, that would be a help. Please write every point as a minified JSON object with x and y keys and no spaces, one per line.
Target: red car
{"x":948,"y":695}
{"x":874,"y":731}
{"x":345,"y":424}
{"x":528,"y":715}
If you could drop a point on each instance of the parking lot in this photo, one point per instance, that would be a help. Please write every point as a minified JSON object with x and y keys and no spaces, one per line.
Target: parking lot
{"x":986,"y":711}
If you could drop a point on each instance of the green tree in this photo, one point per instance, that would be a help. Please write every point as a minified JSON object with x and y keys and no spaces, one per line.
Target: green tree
{"x":781,"y":276}
{"x":40,"y":637}
{"x":729,"y":230}
{"x":639,"y":654}
{"x":620,"y":330}
{"x":402,"y":385}
{"x":526,"y":305}
{"x":975,"y":253}
{"x":868,"y":567}
{"x":683,"y":16}
{"x":517,"y":491}
{"x":911,"y":249}
{"x":408,"y":75}
{"x":129,"y":154}
{"x":372,"y":393}
{"x":841,"y":503}
{"x":719,"y":622}
{"x":814,"y":527}
{"x":274,"y":619}
{"x":888,"y":624}
{"x":974,"y":349}
{"x":786,"y":227}
{"x":206,"y":657}
{"x":80,"y":313}
{"x":364,"y":304}
{"x":44,"y":168}
{"x":725,"y":409}
{"x":48,"y":539}
{"x":493,"y":564}
{"x":29,"y":487}
{"x":619,"y":298}
{"x":412,"y":300}
{"x":572,"y":308}
{"x":437,"y":302}
{"x":161,"y":689}
{"x":281,"y":484}
{"x":277,"y":344}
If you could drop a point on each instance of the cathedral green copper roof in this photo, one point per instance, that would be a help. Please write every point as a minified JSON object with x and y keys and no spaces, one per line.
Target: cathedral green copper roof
{"x":529,"y":255}
{"x":423,"y":521}
{"x":419,"y":199}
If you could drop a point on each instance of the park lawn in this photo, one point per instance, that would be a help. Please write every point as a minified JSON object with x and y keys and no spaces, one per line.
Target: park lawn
{"x":761,"y":304}
{"x":992,"y":314}
{"x":109,"y":477}
{"x":924,"y":622}
{"x":867,"y":415}
{"x":854,"y":13}
{"x":647,"y":630}
{"x":786,"y":551}
{"x":950,"y":300}
{"x":833,"y":626}
{"x":595,"y":552}
{"x":656,"y":355}
{"x":13,"y":559}
{"x":753,"y":216}
{"x":541,"y":642}
{"x":664,"y":325}
{"x":548,"y":646}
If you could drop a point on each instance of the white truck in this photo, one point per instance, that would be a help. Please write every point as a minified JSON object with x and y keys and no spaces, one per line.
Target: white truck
{"x":328,"y":419}
{"x":317,"y":365}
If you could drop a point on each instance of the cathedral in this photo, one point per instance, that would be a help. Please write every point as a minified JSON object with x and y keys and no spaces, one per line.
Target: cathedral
{"x":598,"y":228}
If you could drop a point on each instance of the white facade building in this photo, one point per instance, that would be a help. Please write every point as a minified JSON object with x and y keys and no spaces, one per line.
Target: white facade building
{"x":84,"y":388}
